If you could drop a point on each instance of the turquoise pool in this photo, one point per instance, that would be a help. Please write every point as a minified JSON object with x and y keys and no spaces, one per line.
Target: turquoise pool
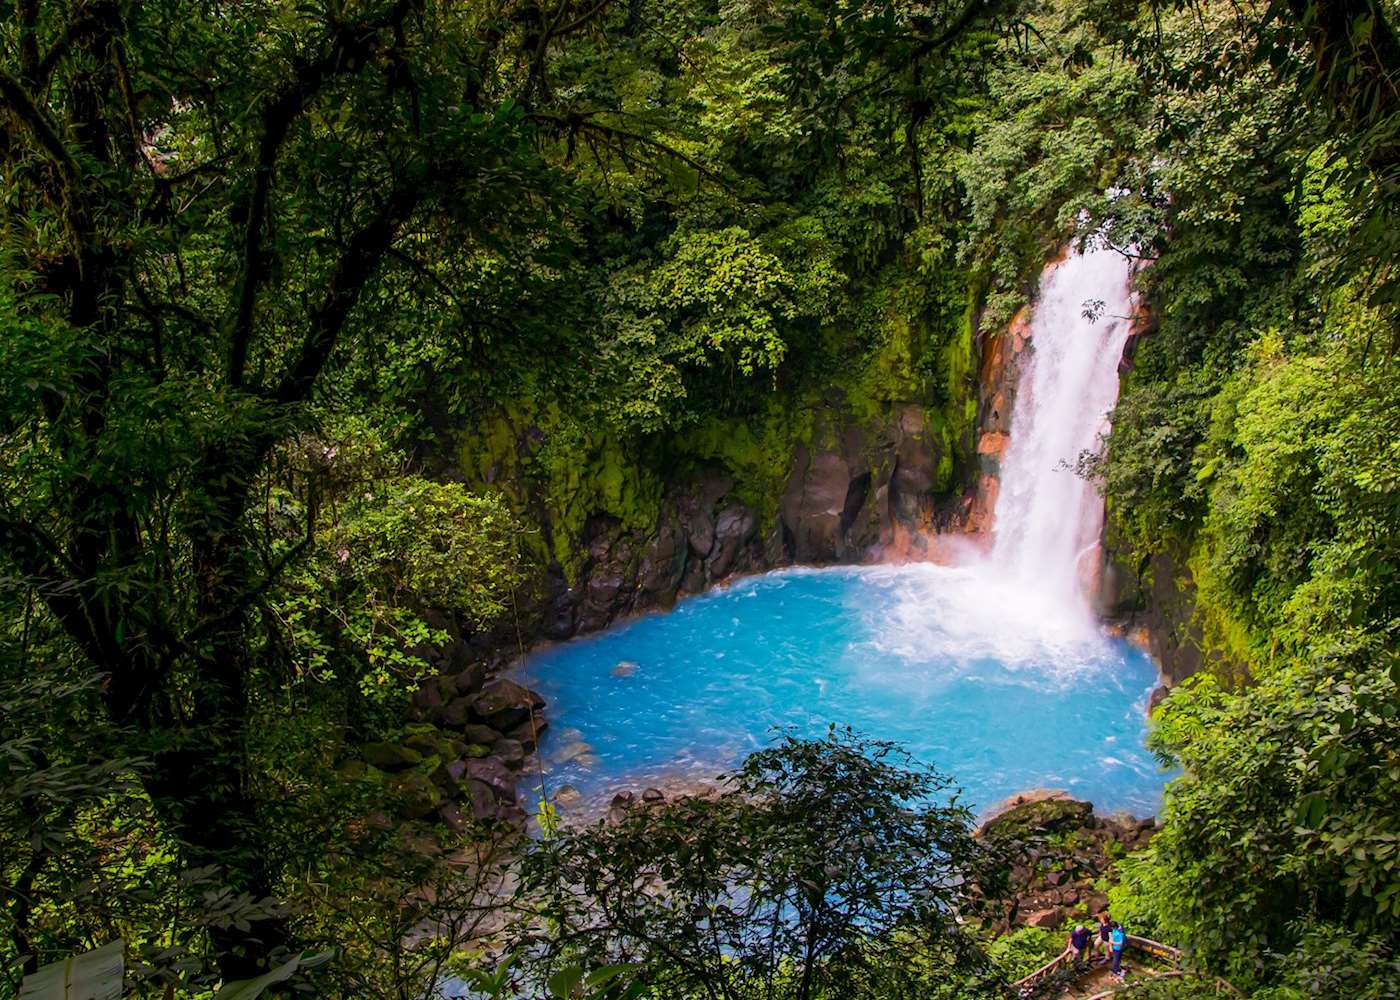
{"x":1001,"y":694}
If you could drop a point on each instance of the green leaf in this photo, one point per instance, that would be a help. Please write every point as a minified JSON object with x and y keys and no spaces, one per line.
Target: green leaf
{"x":563,"y":983}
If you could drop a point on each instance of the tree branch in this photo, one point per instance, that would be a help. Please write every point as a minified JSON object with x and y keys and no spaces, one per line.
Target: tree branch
{"x":29,"y":42}
{"x":44,"y":562}
{"x":357,"y":264}
{"x":27,"y":111}
{"x":351,"y":47}
{"x":583,"y":123}
{"x":926,"y":47}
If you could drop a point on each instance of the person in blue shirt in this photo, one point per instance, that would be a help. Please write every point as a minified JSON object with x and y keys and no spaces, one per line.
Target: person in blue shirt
{"x":1117,"y":938}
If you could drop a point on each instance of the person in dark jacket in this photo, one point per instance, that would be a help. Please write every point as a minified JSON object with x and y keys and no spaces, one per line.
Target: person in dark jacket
{"x":1079,"y":944}
{"x":1105,"y":929}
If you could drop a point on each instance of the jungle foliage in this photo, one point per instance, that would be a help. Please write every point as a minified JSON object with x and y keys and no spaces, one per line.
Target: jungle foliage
{"x":265,"y":267}
{"x":254,"y":259}
{"x":821,"y":868}
{"x":1252,"y":455}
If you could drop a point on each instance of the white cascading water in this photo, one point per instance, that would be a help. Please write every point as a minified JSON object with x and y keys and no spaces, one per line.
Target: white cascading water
{"x":1026,"y":599}
{"x":1048,"y":519}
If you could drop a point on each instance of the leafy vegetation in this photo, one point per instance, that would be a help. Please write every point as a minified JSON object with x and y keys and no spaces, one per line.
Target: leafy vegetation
{"x":1252,"y":452}
{"x":823,"y":868}
{"x":330,"y":327}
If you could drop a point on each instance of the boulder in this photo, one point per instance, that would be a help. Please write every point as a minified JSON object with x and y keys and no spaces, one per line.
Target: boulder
{"x":569,"y":751}
{"x":1038,"y":816}
{"x":511,"y":752}
{"x":567,"y":796}
{"x":492,"y":772}
{"x":352,"y":770}
{"x":482,"y":800}
{"x":446,"y":782}
{"x":653,"y":795}
{"x":458,"y":712}
{"x":429,"y":745}
{"x":390,"y":756}
{"x":526,"y":732}
{"x":1049,"y":918}
{"x":452,"y":818}
{"x":474,"y":733}
{"x":504,"y":704}
{"x":470,"y":679}
{"x":416,"y":793}
{"x":427,"y":700}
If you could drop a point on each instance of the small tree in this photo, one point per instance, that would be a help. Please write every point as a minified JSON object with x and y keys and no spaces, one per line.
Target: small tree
{"x":823,"y":868}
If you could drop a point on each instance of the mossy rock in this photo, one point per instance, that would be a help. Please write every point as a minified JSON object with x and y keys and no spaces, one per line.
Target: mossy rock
{"x":417,"y":794}
{"x":1039,"y":818}
{"x":477,"y":750}
{"x":429,"y":744}
{"x":353,"y":770}
{"x":390,"y":756}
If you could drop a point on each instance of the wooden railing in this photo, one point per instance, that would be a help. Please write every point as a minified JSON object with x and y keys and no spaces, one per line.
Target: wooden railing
{"x":1023,"y":986}
{"x":1147,"y":946}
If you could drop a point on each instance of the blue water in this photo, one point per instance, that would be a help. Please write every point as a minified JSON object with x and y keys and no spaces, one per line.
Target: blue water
{"x":941,"y":660}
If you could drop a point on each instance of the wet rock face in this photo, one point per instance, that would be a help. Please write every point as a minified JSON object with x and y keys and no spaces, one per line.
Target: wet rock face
{"x":1156,"y":597}
{"x":1004,"y":353}
{"x":849,"y":489}
{"x":817,"y":496}
{"x":913,"y":477}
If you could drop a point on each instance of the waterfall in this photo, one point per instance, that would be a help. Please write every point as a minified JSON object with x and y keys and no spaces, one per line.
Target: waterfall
{"x":1047,"y":519}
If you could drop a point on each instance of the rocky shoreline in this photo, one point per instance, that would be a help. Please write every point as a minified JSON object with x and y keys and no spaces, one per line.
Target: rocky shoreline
{"x":1060,"y":855}
{"x":462,"y":758}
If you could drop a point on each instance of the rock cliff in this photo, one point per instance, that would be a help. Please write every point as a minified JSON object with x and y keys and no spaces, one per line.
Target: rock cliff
{"x":850,"y":487}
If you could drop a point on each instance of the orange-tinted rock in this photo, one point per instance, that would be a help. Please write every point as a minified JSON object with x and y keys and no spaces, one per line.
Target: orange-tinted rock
{"x":992,"y":443}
